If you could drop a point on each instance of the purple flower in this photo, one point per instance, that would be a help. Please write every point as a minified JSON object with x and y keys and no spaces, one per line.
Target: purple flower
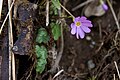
{"x":104,"y":6}
{"x":80,"y":27}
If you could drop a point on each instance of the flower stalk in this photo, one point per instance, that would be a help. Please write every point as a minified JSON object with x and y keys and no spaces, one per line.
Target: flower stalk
{"x":67,"y":11}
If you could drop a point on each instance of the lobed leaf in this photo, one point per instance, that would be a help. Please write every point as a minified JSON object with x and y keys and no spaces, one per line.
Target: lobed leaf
{"x":53,"y":10}
{"x":42,"y":36}
{"x":56,"y":3}
{"x":40,"y":66}
{"x":41,"y":53}
{"x":56,"y":31}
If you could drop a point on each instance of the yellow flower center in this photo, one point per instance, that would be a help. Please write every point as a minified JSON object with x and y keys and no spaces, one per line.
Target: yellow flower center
{"x":78,"y":24}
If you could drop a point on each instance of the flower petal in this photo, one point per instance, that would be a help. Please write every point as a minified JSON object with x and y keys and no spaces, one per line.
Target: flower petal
{"x":105,"y":7}
{"x":85,"y":29}
{"x":80,"y":32}
{"x":77,"y":19}
{"x":87,"y":24}
{"x":77,"y":35}
{"x":73,"y":25}
{"x":86,"y":21}
{"x":83,"y":18}
{"x":73,"y":31}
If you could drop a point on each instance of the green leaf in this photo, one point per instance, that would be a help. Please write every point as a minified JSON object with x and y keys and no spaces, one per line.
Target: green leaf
{"x":53,"y":10}
{"x":41,"y":53}
{"x":56,"y":3}
{"x":40,"y":66}
{"x":56,"y":32}
{"x":40,"y":69}
{"x":42,"y":36}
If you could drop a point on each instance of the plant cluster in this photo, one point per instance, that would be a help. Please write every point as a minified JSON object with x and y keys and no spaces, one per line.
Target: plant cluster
{"x":79,"y":27}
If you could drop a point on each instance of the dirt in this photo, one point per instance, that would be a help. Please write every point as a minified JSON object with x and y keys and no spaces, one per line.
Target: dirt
{"x":82,"y":59}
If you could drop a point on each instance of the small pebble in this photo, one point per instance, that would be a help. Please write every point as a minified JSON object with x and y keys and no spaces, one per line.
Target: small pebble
{"x":91,"y":65}
{"x":93,"y":42}
{"x":88,"y":38}
{"x":15,"y":48}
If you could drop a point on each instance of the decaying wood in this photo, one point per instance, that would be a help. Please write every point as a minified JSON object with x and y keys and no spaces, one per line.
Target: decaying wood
{"x":26,"y":15}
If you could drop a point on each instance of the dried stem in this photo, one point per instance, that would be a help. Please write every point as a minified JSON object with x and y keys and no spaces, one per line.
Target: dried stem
{"x":58,"y":73}
{"x":117,"y":69}
{"x":6,"y":16}
{"x":114,"y":15}
{"x":113,"y":76}
{"x":1,"y":2}
{"x":11,"y":55}
{"x":56,"y":64}
{"x":47,"y":13}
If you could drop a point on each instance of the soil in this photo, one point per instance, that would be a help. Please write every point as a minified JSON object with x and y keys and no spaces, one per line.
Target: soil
{"x":82,"y":59}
